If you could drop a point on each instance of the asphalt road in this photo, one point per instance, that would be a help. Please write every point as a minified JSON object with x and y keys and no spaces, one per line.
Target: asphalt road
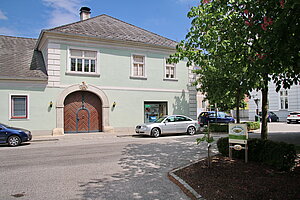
{"x":105,"y":166}
{"x":96,"y":166}
{"x":281,"y":131}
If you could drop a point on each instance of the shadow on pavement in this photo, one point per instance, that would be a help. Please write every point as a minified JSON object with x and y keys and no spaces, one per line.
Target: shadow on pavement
{"x":145,"y":171}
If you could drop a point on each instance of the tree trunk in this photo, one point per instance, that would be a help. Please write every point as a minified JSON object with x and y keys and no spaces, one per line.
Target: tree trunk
{"x":264,"y":108}
{"x":237,"y":104}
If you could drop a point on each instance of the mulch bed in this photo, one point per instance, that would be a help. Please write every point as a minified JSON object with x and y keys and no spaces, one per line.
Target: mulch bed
{"x":234,"y":179}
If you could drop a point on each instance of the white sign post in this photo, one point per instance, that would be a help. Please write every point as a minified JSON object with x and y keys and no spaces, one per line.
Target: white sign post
{"x":238,"y":136}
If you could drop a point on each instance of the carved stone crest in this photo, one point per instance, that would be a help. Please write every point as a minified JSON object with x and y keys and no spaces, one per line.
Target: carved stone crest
{"x":83,"y":86}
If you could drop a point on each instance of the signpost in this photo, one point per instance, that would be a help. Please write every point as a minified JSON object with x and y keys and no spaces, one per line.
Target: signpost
{"x":238,"y":136}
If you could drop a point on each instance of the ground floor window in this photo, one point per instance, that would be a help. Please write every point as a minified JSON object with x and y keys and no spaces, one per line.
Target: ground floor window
{"x":154,"y":110}
{"x":284,"y":104}
{"x":19,"y":107}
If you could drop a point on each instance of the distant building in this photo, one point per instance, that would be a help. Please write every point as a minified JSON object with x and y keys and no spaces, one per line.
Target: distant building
{"x":281,"y":103}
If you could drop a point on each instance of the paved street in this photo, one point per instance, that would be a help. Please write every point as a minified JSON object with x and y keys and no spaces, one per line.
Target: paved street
{"x":105,"y":166}
{"x":96,"y":166}
{"x":281,"y":131}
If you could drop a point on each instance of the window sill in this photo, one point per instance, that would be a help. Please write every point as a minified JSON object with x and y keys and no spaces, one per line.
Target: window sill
{"x":138,"y":77}
{"x":170,"y":79}
{"x":82,"y":74}
{"x":18,"y":119}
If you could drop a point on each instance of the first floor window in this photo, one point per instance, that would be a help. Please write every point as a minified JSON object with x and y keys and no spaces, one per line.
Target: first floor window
{"x":138,"y":68}
{"x":83,"y":60}
{"x":170,"y":71}
{"x":284,"y":104}
{"x":19,"y":107}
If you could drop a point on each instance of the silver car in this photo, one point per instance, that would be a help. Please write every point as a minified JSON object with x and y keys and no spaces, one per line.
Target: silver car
{"x":168,"y":125}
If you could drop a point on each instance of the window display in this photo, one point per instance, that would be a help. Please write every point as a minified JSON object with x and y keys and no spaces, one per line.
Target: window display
{"x":154,"y":110}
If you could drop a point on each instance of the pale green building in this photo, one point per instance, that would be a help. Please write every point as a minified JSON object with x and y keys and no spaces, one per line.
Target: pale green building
{"x":97,"y":74}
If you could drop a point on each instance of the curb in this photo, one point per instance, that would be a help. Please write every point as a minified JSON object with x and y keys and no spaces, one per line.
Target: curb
{"x":44,"y":140}
{"x":184,"y":186}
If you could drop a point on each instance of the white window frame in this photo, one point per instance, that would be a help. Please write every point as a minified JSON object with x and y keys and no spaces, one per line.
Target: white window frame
{"x":132,"y":67}
{"x":10,"y":111}
{"x":165,"y":71}
{"x":285,"y":98}
{"x":82,"y":73}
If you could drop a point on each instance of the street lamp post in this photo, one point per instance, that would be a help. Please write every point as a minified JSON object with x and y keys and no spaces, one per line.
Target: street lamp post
{"x":256,"y":100}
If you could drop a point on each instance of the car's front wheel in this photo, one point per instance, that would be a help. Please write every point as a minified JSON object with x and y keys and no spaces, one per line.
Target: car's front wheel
{"x":155,"y":132}
{"x":191,"y":130}
{"x":14,"y":141}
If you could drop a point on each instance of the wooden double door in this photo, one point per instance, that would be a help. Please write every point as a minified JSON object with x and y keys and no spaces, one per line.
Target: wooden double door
{"x":82,"y":113}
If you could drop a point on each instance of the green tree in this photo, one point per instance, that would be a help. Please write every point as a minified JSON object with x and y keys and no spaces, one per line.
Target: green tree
{"x":273,"y":27}
{"x":213,"y":44}
{"x":242,"y":41}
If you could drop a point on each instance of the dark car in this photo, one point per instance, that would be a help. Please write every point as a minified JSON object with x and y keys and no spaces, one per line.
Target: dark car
{"x":210,"y":116}
{"x":272,"y":117}
{"x":13,"y":136}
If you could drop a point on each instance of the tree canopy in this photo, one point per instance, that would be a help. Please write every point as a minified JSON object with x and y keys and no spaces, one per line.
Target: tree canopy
{"x":242,"y":45}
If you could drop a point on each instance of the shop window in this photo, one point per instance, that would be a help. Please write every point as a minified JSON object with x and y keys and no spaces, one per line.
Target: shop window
{"x":154,"y":110}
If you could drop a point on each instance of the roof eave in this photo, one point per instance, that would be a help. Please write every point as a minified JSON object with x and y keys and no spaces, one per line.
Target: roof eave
{"x":39,"y":39}
{"x":23,"y":79}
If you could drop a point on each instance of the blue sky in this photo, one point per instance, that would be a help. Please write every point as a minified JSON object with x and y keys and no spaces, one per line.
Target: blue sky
{"x":26,"y":18}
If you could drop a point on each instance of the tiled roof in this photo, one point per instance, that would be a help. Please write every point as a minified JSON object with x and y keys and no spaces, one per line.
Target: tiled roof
{"x":19,"y":60}
{"x":107,"y":27}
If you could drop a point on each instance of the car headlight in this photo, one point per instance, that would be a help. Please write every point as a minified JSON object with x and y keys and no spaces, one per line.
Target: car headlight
{"x":26,"y":132}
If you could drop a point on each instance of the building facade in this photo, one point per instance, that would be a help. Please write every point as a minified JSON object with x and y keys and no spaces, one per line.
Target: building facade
{"x":281,"y":103}
{"x":98,"y":74}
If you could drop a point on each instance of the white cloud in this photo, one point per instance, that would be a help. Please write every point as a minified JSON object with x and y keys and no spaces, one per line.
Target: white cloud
{"x":63,"y":11}
{"x":2,"y":15}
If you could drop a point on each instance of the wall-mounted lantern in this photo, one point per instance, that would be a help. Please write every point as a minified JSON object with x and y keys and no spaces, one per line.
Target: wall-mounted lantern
{"x":114,"y":104}
{"x":50,"y":104}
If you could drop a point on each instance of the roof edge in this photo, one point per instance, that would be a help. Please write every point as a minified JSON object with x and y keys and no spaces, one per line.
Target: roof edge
{"x":39,"y":39}
{"x":23,"y":79}
{"x":52,"y":29}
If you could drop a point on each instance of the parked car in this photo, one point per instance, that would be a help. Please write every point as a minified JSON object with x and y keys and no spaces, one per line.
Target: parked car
{"x":272,"y":117}
{"x":293,"y":117}
{"x":210,"y":116}
{"x":13,"y":136}
{"x":168,"y":125}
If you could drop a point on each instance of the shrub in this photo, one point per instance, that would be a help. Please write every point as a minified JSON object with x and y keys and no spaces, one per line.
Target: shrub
{"x":216,"y":127}
{"x":252,"y":125}
{"x":279,"y":155}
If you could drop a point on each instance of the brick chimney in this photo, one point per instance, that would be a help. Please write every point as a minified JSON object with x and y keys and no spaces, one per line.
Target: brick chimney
{"x":85,"y":13}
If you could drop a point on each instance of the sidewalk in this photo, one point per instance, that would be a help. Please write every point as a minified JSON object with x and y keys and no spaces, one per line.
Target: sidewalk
{"x":40,"y":138}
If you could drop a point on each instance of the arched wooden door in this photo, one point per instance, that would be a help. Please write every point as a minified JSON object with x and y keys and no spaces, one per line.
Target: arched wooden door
{"x":82,"y":113}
